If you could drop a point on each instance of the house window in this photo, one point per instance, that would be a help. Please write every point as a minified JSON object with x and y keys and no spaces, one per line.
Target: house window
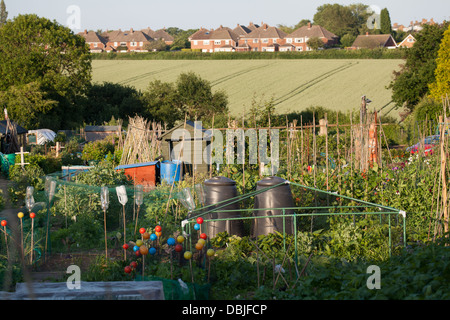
{"x":206,"y":42}
{"x":123,"y":44}
{"x":217,"y":42}
{"x":95,"y":44}
{"x":195,"y":42}
{"x":299,"y":48}
{"x":227,"y":42}
{"x":133,"y":44}
{"x":141,"y":43}
{"x":289,"y":40}
{"x":410,"y":40}
{"x":265,"y":40}
{"x":298,"y":40}
{"x":255,"y":40}
{"x":115,"y":44}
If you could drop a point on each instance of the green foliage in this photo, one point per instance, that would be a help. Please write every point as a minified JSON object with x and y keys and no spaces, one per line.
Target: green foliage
{"x":315,"y":43}
{"x":45,"y":62}
{"x":385,"y":22}
{"x":31,"y":175}
{"x":410,"y":84}
{"x":441,"y":87}
{"x":97,"y":150}
{"x":3,"y":13}
{"x":347,"y":40}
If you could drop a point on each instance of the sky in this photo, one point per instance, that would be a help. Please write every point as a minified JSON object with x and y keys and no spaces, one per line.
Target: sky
{"x":192,"y":14}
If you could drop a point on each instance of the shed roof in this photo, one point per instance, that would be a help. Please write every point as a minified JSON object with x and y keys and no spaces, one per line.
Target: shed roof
{"x":3,"y":124}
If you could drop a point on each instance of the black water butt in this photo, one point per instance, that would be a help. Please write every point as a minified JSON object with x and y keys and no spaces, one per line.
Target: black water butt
{"x":277,"y":197}
{"x":219,"y":189}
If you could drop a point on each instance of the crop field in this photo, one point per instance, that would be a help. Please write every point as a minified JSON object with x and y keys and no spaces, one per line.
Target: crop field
{"x":293,"y":84}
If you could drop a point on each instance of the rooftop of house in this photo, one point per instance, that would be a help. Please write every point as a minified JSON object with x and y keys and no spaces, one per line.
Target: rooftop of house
{"x":312,"y":31}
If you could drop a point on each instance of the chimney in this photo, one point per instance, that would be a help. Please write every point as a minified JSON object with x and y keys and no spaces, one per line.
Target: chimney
{"x":85,"y":31}
{"x":131,"y":30}
{"x":309,"y":25}
{"x":367,"y":33}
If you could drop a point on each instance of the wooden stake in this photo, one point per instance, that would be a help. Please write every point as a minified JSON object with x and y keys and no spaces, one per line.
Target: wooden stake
{"x":106,"y":242}
{"x":124,"y":234}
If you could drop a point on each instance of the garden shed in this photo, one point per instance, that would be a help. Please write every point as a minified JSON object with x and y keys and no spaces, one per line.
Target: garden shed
{"x":196,"y":138}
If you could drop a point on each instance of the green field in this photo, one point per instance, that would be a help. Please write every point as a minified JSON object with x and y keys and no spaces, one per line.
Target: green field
{"x":294,"y":84}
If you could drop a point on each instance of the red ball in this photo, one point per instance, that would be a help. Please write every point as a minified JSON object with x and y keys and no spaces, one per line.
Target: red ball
{"x":158,"y":229}
{"x":199,"y":220}
{"x":32,"y":215}
{"x":125,"y":246}
{"x":142,"y":230}
{"x":127,"y":269}
{"x":203,"y":236}
{"x":178,"y":248}
{"x":4,"y":223}
{"x":138,"y":253}
{"x":133,"y":264}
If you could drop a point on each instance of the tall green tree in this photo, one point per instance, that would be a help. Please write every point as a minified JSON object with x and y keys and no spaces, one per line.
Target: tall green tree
{"x":3,"y":13}
{"x":336,"y":18}
{"x":441,"y":87}
{"x":411,"y":82}
{"x":37,"y":50}
{"x":385,"y":22}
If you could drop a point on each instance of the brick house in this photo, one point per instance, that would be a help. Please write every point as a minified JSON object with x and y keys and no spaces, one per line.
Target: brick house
{"x":408,"y":42}
{"x":373,"y":41}
{"x":264,"y":38}
{"x":160,"y":34}
{"x":222,"y":39}
{"x":298,"y":39}
{"x":128,"y":41}
{"x":96,"y":42}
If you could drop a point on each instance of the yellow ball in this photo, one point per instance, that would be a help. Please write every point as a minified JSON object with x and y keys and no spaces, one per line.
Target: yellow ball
{"x":20,"y":215}
{"x":187,"y":255}
{"x":180,"y":239}
{"x":210,"y":252}
{"x":139,"y":243}
{"x":202,"y":241}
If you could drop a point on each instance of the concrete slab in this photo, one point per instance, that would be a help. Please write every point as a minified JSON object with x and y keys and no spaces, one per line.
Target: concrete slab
{"x":115,"y":290}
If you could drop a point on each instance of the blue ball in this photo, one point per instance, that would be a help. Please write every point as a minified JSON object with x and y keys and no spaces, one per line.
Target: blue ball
{"x":153,"y":237}
{"x":135,"y":248}
{"x":152,"y":251}
{"x":197,"y":226}
{"x":171,"y":241}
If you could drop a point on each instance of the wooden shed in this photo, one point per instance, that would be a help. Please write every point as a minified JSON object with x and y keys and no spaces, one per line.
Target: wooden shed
{"x":94,"y":133}
{"x":196,"y":138}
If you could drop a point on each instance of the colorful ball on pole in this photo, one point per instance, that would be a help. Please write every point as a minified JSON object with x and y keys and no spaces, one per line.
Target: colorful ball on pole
{"x":4,"y":223}
{"x":153,"y":237}
{"x":199,"y":246}
{"x":158,"y":229}
{"x":196,"y":226}
{"x":187,"y":255}
{"x":127,"y":269}
{"x":136,"y":248}
{"x":146,"y":236}
{"x":133,"y":264}
{"x":139,"y":243}
{"x":210,"y":252}
{"x":178,"y":248}
{"x":180,"y":239}
{"x":203,"y":236}
{"x":152,"y":251}
{"x":32,"y":215}
{"x":142,"y":230}
{"x":202,"y":241}
{"x":171,"y":241}
{"x":138,"y":253}
{"x":20,"y":215}
{"x":158,"y":233}
{"x":199,"y":220}
{"x":143,"y":250}
{"x":125,"y":246}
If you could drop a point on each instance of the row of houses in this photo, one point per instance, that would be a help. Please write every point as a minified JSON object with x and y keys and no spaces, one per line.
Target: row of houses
{"x":124,"y":41}
{"x":262,"y":38}
{"x":270,"y":39}
{"x":413,"y":25}
{"x":259,"y":38}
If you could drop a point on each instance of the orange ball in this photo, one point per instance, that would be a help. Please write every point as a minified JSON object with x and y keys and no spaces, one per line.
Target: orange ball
{"x":158,"y":233}
{"x":145,"y":235}
{"x":199,"y":246}
{"x":143,"y":250}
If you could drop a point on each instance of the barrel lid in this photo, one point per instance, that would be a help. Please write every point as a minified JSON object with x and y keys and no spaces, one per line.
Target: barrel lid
{"x":270,"y":181}
{"x":220,"y":181}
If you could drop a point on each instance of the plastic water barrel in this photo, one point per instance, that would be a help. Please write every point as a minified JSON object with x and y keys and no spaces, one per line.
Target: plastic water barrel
{"x":219,"y":189}
{"x":171,"y":171}
{"x":277,"y":197}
